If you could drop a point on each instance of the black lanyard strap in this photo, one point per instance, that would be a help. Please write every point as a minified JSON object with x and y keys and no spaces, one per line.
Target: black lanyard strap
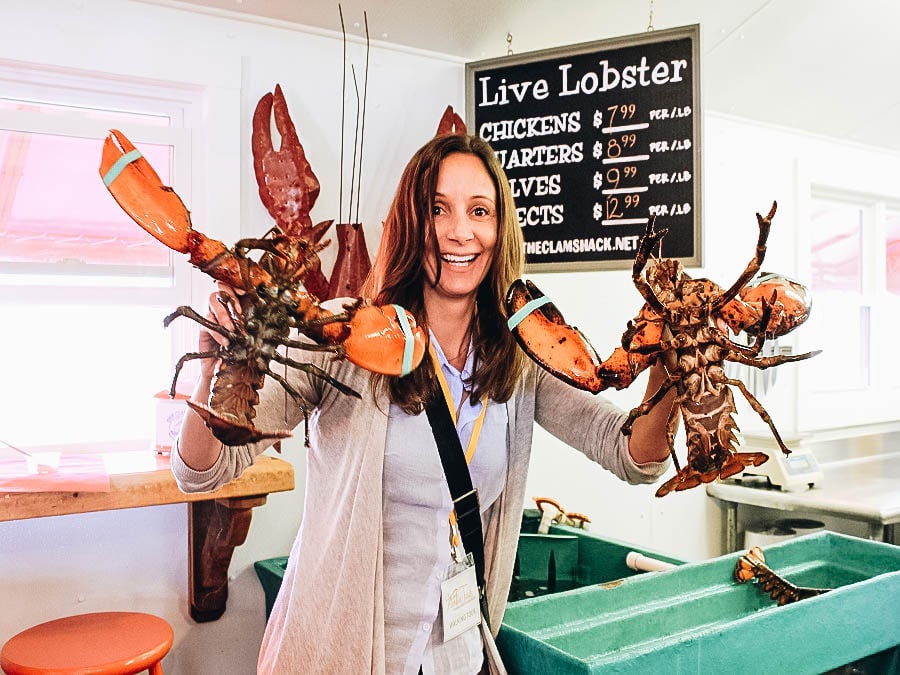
{"x":465,"y":497}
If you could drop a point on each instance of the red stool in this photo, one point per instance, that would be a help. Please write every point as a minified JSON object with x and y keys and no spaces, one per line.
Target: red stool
{"x":103,"y":643}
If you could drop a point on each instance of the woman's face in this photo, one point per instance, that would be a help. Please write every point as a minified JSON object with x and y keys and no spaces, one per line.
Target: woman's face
{"x":465,"y":224}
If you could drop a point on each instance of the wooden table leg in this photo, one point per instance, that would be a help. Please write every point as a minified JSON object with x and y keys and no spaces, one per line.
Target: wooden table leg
{"x":215,"y":528}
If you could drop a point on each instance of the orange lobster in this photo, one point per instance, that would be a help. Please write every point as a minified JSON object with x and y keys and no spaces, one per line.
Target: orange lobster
{"x":752,"y":565}
{"x":275,"y":297}
{"x":680,"y":324}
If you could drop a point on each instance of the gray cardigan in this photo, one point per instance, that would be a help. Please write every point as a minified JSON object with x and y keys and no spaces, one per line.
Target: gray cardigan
{"x":332,"y":595}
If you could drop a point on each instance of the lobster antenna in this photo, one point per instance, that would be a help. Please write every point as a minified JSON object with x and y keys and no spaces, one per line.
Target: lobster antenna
{"x":343,"y":97}
{"x":362,"y":133}
{"x":355,"y":145}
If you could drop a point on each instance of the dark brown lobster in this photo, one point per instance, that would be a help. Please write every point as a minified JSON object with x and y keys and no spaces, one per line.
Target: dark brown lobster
{"x":275,"y":298}
{"x":682,"y":322}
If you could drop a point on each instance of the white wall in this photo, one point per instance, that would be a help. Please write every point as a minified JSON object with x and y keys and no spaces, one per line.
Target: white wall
{"x":137,"y":559}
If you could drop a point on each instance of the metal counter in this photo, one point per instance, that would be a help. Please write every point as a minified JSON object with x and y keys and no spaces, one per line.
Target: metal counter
{"x":861,"y":483}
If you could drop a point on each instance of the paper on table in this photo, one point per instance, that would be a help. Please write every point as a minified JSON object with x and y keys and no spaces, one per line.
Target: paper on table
{"x":54,"y":472}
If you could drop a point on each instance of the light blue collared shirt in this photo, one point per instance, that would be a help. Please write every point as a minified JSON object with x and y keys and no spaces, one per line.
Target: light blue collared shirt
{"x":417,"y":532}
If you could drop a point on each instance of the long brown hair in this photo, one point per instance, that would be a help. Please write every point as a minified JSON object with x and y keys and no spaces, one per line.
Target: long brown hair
{"x":398,"y":275}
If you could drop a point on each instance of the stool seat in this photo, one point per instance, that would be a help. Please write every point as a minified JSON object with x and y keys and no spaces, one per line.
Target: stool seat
{"x":100,"y":643}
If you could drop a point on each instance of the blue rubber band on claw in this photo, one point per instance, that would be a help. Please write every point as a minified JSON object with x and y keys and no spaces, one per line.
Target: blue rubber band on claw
{"x":403,"y":320}
{"x":527,"y":309}
{"x":120,"y":165}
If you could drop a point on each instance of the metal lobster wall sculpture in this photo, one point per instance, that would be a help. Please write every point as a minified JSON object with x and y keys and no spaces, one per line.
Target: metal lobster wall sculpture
{"x":683,"y":323}
{"x":277,"y":287}
{"x":288,"y":189}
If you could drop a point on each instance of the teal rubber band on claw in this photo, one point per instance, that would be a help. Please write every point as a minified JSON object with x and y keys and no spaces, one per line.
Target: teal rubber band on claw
{"x":406,"y":366}
{"x":120,"y":165}
{"x":527,"y":309}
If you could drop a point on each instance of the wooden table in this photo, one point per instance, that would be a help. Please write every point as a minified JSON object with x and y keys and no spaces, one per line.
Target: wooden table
{"x":217,"y":521}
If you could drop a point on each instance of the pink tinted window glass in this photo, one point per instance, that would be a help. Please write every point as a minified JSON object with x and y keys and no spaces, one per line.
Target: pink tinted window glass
{"x":836,"y":240}
{"x":54,"y":207}
{"x":892,"y":252}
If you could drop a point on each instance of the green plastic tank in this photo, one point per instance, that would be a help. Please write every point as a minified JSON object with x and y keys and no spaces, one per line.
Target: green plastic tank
{"x":696,"y":619}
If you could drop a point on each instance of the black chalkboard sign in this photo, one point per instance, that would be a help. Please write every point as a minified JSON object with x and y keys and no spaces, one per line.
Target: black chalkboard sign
{"x":596,"y":138}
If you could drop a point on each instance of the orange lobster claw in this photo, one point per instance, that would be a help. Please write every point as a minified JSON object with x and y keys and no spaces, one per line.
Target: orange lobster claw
{"x":377,"y":341}
{"x":790,"y":300}
{"x":556,"y":346}
{"x":158,"y":209}
{"x":139,"y":191}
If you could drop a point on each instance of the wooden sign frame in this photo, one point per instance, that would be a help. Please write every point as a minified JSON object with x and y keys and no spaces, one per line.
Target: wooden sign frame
{"x":596,"y":138}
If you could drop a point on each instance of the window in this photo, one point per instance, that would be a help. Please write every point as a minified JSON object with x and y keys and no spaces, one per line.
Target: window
{"x":853,"y":255}
{"x":83,"y":289}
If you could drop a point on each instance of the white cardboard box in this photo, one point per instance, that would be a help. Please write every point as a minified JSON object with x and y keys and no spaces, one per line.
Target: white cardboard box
{"x":169,"y":415}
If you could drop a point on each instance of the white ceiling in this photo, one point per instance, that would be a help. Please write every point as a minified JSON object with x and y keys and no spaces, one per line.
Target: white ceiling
{"x":826,"y":66}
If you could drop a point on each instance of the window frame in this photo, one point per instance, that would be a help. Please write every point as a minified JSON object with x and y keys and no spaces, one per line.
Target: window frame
{"x":185,"y":107}
{"x":873,"y":404}
{"x":23,"y":82}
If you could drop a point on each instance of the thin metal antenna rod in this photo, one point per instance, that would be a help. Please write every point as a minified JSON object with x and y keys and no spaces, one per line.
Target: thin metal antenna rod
{"x":343,"y":98}
{"x":355,"y":145}
{"x":362,"y":134}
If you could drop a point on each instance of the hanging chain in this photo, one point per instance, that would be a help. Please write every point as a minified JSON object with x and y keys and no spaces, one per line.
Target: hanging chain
{"x":509,"y":50}
{"x":650,"y":24}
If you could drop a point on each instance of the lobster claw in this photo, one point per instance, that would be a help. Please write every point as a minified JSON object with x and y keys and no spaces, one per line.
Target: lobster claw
{"x":380,"y":341}
{"x":139,"y":191}
{"x":792,"y":302}
{"x":157,"y":208}
{"x":553,"y":344}
{"x":451,"y":123}
{"x":288,"y":188}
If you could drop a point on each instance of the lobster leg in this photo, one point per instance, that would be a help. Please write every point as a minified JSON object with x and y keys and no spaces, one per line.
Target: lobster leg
{"x":648,"y":241}
{"x":763,"y":362}
{"x":184,"y":359}
{"x":671,"y":430}
{"x":649,"y":404}
{"x":313,"y":370}
{"x":304,"y":407}
{"x":757,"y":406}
{"x":191,"y":313}
{"x":765,"y":225}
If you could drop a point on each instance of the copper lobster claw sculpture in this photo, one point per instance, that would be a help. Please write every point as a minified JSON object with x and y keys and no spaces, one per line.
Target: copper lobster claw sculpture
{"x":680,"y":323}
{"x":275,"y":299}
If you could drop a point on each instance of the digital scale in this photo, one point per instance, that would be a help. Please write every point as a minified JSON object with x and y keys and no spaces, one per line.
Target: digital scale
{"x":792,"y":473}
